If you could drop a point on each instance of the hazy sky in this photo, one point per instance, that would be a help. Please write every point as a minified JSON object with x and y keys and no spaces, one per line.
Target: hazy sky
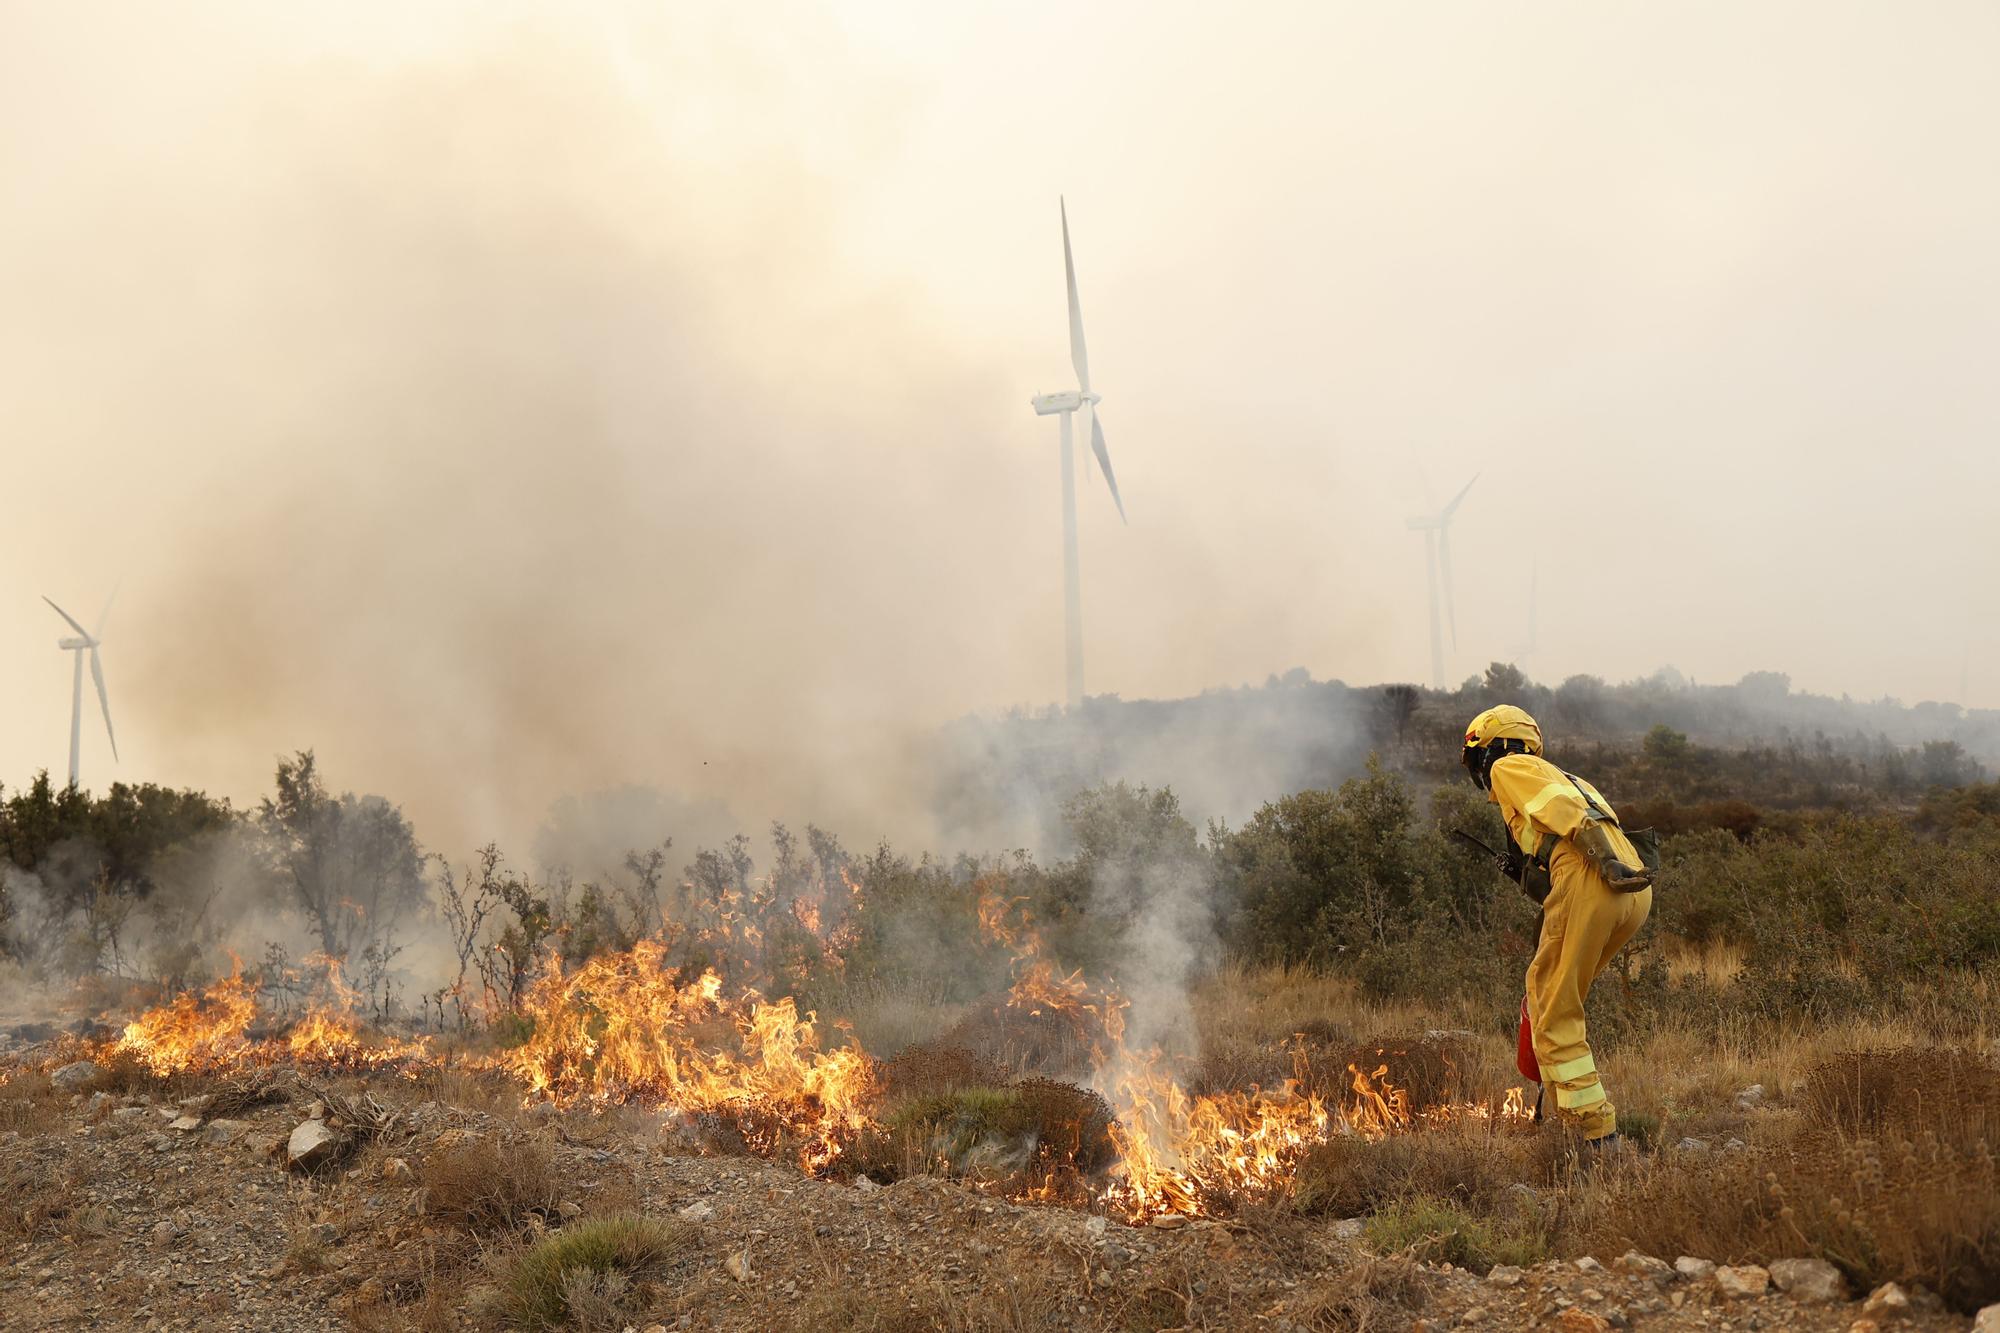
{"x":513,"y":399}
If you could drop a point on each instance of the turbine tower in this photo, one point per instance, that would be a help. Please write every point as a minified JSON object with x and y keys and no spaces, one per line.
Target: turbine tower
{"x":84,"y":642}
{"x":1437,"y":552}
{"x":1067,"y":404}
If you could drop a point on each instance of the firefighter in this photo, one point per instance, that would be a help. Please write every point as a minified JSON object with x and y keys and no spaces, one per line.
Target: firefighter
{"x":1565,"y":841}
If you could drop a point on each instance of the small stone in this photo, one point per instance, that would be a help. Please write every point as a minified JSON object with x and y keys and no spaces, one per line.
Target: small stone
{"x":186,"y":1124}
{"x":396,"y":1168}
{"x":1096,"y":1226}
{"x":1102,"y":1279}
{"x":311,"y":1144}
{"x":324,"y":1233}
{"x":866,"y":1186}
{"x":1734,"y":1145}
{"x":1750,"y":1098}
{"x":1692,"y":1145}
{"x":1678,"y":1299}
{"x":223,"y":1131}
{"x":455,"y":1137}
{"x":1887,"y":1301}
{"x":197,"y":1104}
{"x":1169,"y":1221}
{"x":1577,"y":1320}
{"x":1642,"y":1265}
{"x":1745,"y":1281}
{"x":1987,"y":1320}
{"x":98,"y":1102}
{"x":1593,"y":1294}
{"x":164,"y":1232}
{"x":569,"y":1211}
{"x":700,"y":1210}
{"x":738,"y":1265}
{"x":1588,"y":1265}
{"x":1473,"y":1315}
{"x":1505,"y":1275}
{"x":1813,"y":1280}
{"x":73,"y":1076}
{"x":654,"y":1328}
{"x":315,"y":1110}
{"x":1864,"y":1326}
{"x":1348,"y":1228}
{"x":1694,"y":1270}
{"x":128,"y":1113}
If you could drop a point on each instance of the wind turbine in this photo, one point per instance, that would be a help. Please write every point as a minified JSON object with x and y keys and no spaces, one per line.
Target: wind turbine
{"x":1067,"y":404}
{"x":85,"y":641}
{"x":1437,"y":552}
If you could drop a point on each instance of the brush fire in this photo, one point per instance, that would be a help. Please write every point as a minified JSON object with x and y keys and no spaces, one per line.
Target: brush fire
{"x":1144,"y":1139}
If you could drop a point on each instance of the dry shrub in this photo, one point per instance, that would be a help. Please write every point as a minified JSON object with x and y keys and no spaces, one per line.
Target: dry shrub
{"x":36,"y":1199}
{"x":1044,"y":1041}
{"x":487,"y":1185}
{"x":1071,"y":1125}
{"x":936,"y":1067}
{"x":1427,"y":1068}
{"x":1377,"y":1293}
{"x":30,"y":1104}
{"x":1473,"y":1164}
{"x":245,"y":1092}
{"x":1915,"y":1199}
{"x":1950,"y":1092}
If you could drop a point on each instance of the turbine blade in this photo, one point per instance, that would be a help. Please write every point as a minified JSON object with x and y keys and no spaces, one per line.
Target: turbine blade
{"x":70,"y":618}
{"x":1452,"y":508}
{"x":1078,"y":357}
{"x":1450,"y":604}
{"x":105,"y":614}
{"x":103,"y":699}
{"x":1104,"y":462}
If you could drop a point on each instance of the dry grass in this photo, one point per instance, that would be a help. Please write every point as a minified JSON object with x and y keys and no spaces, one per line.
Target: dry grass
{"x":1376,"y":1293}
{"x":1471,"y":1165}
{"x":1889,"y":1174}
{"x":489,"y":1185}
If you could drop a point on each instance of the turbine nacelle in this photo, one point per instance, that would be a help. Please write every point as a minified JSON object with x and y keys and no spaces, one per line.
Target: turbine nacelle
{"x":73,"y":644}
{"x":1048,"y":404}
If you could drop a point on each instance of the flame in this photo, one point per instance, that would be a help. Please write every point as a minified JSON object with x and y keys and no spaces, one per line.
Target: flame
{"x":632,"y":1026}
{"x":199,"y":1032}
{"x":621,"y":1028}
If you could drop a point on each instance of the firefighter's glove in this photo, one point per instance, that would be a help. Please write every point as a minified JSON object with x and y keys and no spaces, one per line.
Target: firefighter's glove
{"x":1595,"y":844}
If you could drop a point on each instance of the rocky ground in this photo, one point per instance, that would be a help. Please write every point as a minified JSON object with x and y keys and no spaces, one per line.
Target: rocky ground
{"x":328,"y":1206}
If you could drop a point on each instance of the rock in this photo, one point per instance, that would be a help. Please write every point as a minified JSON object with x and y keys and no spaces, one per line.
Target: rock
{"x":128,"y":1113}
{"x":196,"y":1104}
{"x":1813,"y":1280}
{"x":315,"y":1110}
{"x":1473,"y":1315}
{"x":1864,"y":1326}
{"x":1588,"y":1265}
{"x":160,"y":1142}
{"x":324,"y":1233}
{"x":186,"y":1124}
{"x":1987,"y":1320}
{"x":1578,"y":1320}
{"x":73,"y":1076}
{"x":1887,"y":1301}
{"x":1694,"y":1270}
{"x":396,"y":1168}
{"x":738,"y":1265}
{"x":569,"y":1211}
{"x":1348,"y":1228}
{"x":701,"y":1210}
{"x":455,"y":1137}
{"x":1750,"y":1098}
{"x":1642,"y":1265}
{"x":1693,"y":1145}
{"x":1169,"y":1221}
{"x":1102,"y":1279}
{"x":312,"y":1144}
{"x":866,"y":1186}
{"x":1734,"y":1145}
{"x":223,"y":1131}
{"x":1505,"y":1275}
{"x":1746,"y":1281}
{"x":98,"y":1102}
{"x":164,"y":1232}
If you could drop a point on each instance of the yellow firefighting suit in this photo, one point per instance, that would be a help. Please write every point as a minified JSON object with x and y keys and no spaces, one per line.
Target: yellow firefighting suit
{"x":1584,"y":923}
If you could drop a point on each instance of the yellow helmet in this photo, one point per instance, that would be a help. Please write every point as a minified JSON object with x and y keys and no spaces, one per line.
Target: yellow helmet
{"x":1498,"y":731}
{"x":1503,"y":723}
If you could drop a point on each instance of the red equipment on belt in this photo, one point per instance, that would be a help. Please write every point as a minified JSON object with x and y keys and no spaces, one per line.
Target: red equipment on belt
{"x":1524,"y":1048}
